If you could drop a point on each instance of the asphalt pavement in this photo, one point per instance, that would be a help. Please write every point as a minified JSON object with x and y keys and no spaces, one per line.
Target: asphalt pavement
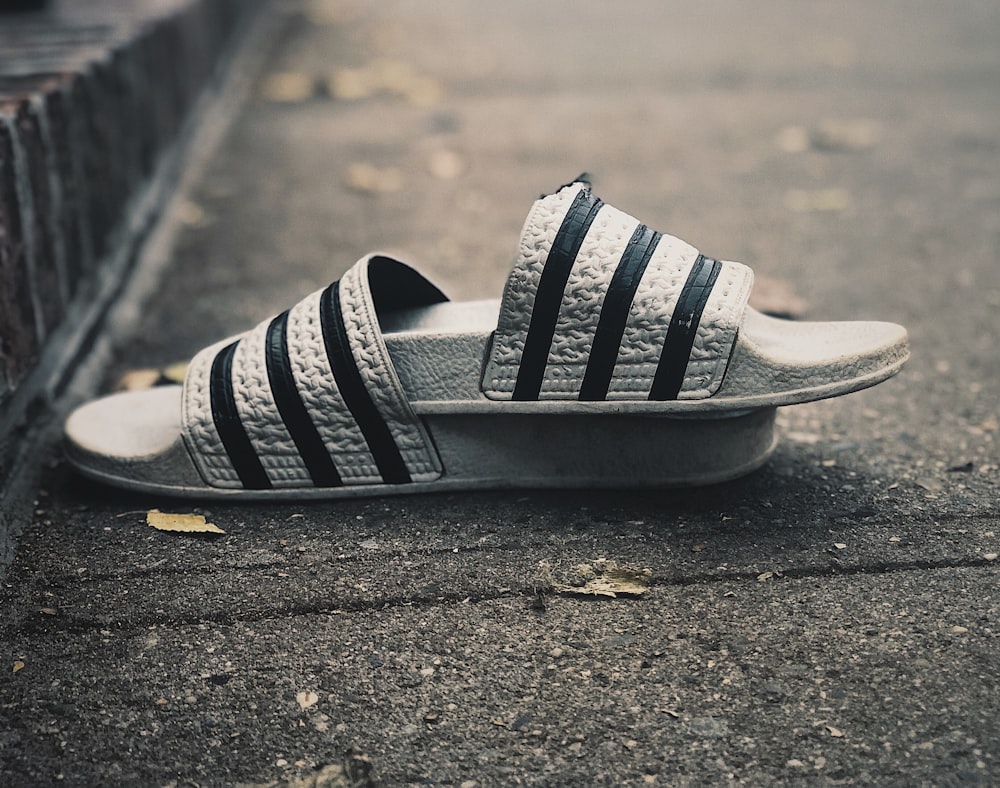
{"x":832,"y":618}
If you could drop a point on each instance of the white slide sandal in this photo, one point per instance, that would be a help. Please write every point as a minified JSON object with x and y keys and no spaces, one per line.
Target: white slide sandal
{"x":618,"y":357}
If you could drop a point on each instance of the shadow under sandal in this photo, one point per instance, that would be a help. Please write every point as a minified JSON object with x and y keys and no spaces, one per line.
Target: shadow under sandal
{"x":617,"y":357}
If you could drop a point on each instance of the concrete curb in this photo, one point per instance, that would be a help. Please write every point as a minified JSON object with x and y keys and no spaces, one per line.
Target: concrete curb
{"x":96,"y":102}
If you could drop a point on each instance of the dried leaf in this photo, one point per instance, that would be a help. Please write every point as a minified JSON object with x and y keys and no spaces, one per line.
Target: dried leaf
{"x":19,"y":665}
{"x":835,"y":732}
{"x":350,"y":84}
{"x":182,"y":523}
{"x":307,"y":699}
{"x":175,"y":372}
{"x":368,"y":178}
{"x":287,"y":86}
{"x":606,"y":579}
{"x":391,"y":77}
{"x":146,"y":378}
{"x":398,"y":78}
{"x":137,"y":380}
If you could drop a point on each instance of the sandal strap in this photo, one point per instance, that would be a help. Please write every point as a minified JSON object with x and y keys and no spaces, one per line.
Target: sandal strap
{"x":600,"y":307}
{"x":310,"y":397}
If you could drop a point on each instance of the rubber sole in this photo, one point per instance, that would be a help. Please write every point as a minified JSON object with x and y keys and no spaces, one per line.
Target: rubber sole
{"x":537,"y":451}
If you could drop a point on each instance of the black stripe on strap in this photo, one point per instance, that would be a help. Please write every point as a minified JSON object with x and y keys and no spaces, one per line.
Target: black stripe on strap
{"x":227,"y":422}
{"x":548,"y":296}
{"x":352,"y":389}
{"x":614,"y":313}
{"x":683,"y":328}
{"x":293,"y":411}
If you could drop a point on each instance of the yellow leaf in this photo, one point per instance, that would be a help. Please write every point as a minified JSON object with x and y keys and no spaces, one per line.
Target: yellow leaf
{"x":146,"y":378}
{"x":365,"y":177}
{"x":350,"y":84}
{"x":137,"y":380}
{"x":384,"y":77}
{"x":183,"y":523}
{"x":175,"y":372}
{"x":18,"y":666}
{"x":287,"y":87}
{"x":605,"y":579}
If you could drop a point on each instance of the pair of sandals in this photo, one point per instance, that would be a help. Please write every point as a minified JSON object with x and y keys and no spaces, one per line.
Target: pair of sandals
{"x":617,"y":357}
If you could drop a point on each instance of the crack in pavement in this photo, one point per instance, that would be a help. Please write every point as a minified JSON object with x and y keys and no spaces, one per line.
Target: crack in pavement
{"x":82,"y":625}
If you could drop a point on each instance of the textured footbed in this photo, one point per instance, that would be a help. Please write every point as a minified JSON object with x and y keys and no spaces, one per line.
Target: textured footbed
{"x":134,"y":439}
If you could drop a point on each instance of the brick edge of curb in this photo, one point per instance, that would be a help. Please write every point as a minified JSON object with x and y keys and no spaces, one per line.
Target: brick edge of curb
{"x":88,"y":161}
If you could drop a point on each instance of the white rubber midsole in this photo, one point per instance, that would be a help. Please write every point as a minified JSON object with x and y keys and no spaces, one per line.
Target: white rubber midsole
{"x":515,"y":451}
